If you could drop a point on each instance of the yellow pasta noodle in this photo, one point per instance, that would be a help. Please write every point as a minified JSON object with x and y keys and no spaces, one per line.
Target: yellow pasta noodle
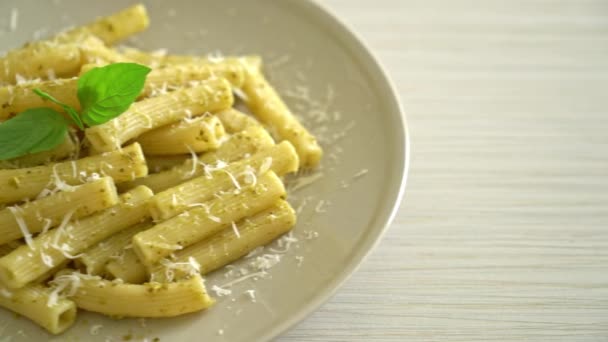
{"x":268,"y":107}
{"x":15,"y":99}
{"x":49,"y":250}
{"x":162,"y":59}
{"x":41,"y":305}
{"x":158,"y":164}
{"x":95,"y":52}
{"x":66,"y":149}
{"x":94,"y":260}
{"x":281,"y":159}
{"x":113,"y":28}
{"x":21,"y":184}
{"x":194,"y":135}
{"x":128,"y":268}
{"x":146,"y":115}
{"x":235,"y":121}
{"x":236,"y":147}
{"x":39,"y":60}
{"x":226,"y":247}
{"x":172,"y":76}
{"x":48,"y":212}
{"x":205,"y":220}
{"x":148,"y":300}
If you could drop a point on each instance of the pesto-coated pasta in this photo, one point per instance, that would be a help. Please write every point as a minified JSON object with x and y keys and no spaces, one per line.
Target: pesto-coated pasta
{"x":235,"y":121}
{"x":146,"y":115}
{"x":48,"y":212}
{"x":269,"y":108}
{"x":239,"y":145}
{"x":113,"y":28}
{"x":94,"y":259}
{"x":281,"y":159}
{"x":226,"y":247}
{"x":128,"y":268}
{"x":52,"y":249}
{"x":23,"y":184}
{"x":146,"y":300}
{"x":207,"y":219}
{"x":198,"y":135}
{"x":38,"y":303}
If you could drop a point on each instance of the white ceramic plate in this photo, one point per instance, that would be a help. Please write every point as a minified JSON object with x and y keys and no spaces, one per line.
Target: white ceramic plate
{"x":306,"y":50}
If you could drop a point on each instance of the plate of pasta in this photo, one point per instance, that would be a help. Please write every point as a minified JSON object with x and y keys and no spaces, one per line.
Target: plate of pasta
{"x":177,"y":171}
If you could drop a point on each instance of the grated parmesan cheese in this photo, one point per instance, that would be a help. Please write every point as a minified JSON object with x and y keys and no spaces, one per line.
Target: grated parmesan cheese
{"x":95,"y":329}
{"x":235,"y":229}
{"x":14,"y":19}
{"x":303,"y":181}
{"x":60,"y":284}
{"x":251,"y":295}
{"x":16,"y":211}
{"x":220,"y":292}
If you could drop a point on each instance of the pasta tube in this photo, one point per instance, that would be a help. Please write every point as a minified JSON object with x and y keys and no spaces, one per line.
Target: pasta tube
{"x":226,"y":247}
{"x":33,"y":217}
{"x":15,"y":99}
{"x":177,"y":75}
{"x":127,"y":268}
{"x":235,"y":121}
{"x":39,"y":60}
{"x":148,"y":300}
{"x":21,"y":184}
{"x":201,"y":222}
{"x":48,"y":250}
{"x":94,"y":260}
{"x":63,"y":151}
{"x":93,"y":50}
{"x":113,"y":28}
{"x":268,"y":107}
{"x":197,"y":135}
{"x":237,"y":147}
{"x":161,"y":59}
{"x":146,"y":115}
{"x":41,"y":305}
{"x":281,"y":159}
{"x":158,"y":164}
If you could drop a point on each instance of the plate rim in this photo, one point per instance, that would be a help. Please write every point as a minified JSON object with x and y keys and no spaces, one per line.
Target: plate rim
{"x":360,"y":255}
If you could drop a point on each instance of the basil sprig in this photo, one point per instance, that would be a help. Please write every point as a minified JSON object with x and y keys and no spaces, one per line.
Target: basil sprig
{"x":104,"y":93}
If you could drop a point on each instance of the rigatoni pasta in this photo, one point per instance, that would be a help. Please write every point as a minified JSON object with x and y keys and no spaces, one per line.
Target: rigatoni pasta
{"x":148,"y":300}
{"x":266,"y":105}
{"x":207,"y":219}
{"x":42,"y":305}
{"x":247,"y":142}
{"x":93,"y":261}
{"x":113,"y":28}
{"x":281,"y":159}
{"x":52,"y":249}
{"x":198,"y":135}
{"x":25,"y":184}
{"x":211,"y":95}
{"x":226,"y":246}
{"x":33,"y":217}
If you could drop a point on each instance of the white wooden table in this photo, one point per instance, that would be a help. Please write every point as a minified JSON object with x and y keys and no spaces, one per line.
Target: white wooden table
{"x":503,"y":234}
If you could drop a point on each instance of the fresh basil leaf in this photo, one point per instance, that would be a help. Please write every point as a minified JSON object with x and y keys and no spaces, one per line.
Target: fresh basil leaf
{"x":108,"y":91}
{"x":68,"y":109}
{"x":34,"y":130}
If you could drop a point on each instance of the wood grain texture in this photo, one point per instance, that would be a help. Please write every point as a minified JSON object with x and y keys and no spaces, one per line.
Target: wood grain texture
{"x":503,"y":233}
